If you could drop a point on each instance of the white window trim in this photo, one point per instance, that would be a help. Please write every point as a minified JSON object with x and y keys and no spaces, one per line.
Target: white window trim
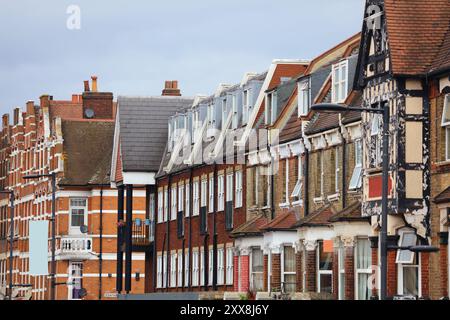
{"x":173,"y":205}
{"x":341,"y":270}
{"x":286,"y":202}
{"x":320,"y":272}
{"x":160,"y":207}
{"x":303,"y":88}
{"x":159,"y":271}
{"x":186,"y":269}
{"x":180,"y":198}
{"x":230,"y":192}
{"x":203,"y":193}
{"x":173,"y":269}
{"x":400,"y":241}
{"x":283,"y":272}
{"x":202,"y":266}
{"x":229,"y":266}
{"x":357,"y":270}
{"x":187,"y":200}
{"x":238,"y":189}
{"x":196,"y":199}
{"x":253,"y":273}
{"x":74,"y":230}
{"x":211,"y":194}
{"x":166,"y":204}
{"x":447,"y":143}
{"x":337,"y":170}
{"x":180,"y":269}
{"x":220,"y":267}
{"x":195,"y":268}
{"x":220,"y":193}
{"x":335,"y":96}
{"x":419,"y":276}
{"x":210,"y":266}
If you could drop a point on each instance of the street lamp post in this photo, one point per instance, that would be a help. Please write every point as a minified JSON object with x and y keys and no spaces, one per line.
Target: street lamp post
{"x":53,"y":220}
{"x":383,"y":110}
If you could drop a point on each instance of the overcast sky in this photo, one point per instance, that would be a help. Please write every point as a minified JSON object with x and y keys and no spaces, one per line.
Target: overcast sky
{"x":133,"y":46}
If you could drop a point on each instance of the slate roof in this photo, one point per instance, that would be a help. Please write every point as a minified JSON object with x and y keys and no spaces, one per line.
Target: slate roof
{"x":284,"y":221}
{"x":417,"y":32}
{"x":250,"y":228}
{"x":351,"y":213}
{"x":143,"y":129}
{"x":443,"y":197}
{"x":87,"y":151}
{"x":318,"y":218}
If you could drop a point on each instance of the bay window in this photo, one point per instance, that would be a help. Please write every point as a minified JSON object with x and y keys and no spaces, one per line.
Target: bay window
{"x":257,"y":266}
{"x":325,"y":266}
{"x":363,"y":265}
{"x":288,"y":274}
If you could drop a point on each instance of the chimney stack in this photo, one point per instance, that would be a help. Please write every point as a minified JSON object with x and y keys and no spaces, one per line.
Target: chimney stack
{"x":94,"y":83}
{"x":86,"y":86}
{"x":171,"y":89}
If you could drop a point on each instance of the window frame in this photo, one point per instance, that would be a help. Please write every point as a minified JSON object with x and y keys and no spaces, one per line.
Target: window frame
{"x":195,"y":268}
{"x":203,"y":193}
{"x":341,"y":83}
{"x":322,"y":272}
{"x":359,"y":271}
{"x":304,"y":87}
{"x":211,"y":194}
{"x":173,"y":270}
{"x":173,"y":203}
{"x":220,"y":266}
{"x":85,"y":208}
{"x":220,"y":193}
{"x":285,"y":273}
{"x":196,"y":199}
{"x":229,"y":272}
{"x":253,"y":273}
{"x":238,"y":189}
{"x":180,"y":269}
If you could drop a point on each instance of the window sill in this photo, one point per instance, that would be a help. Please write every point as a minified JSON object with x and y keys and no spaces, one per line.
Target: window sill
{"x":318,"y":200}
{"x":297,"y":203}
{"x":334,"y":197}
{"x":284,"y":205}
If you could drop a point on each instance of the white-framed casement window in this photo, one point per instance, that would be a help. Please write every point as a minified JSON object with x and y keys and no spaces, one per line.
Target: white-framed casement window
{"x":202,"y":266}
{"x":230,"y":191}
{"x":186,"y":269}
{"x":238,"y":191}
{"x":220,"y":193}
{"x":408,"y":265}
{"x":356,"y":179}
{"x":271,"y":107}
{"x":297,"y":192}
{"x":187,"y":208}
{"x":235,"y":120}
{"x":75,"y":280}
{"x":288,"y":272}
{"x":229,"y":262}
{"x":211,"y":116}
{"x":210,"y":266}
{"x":325,"y":266}
{"x":159,"y":271}
{"x":220,"y":267}
{"x":195,"y":190}
{"x":166,"y":203}
{"x":339,"y":81}
{"x":337,"y":169}
{"x":256,"y":270}
{"x":203,"y":193}
{"x":304,"y":98}
{"x":341,"y":270}
{"x":224,"y":113}
{"x":446,"y":126}
{"x":180,"y":269}
{"x":173,"y":203}
{"x":180,"y":198}
{"x":195,"y":269}
{"x":173,"y":270}
{"x":78,"y":214}
{"x":246,"y":105}
{"x":363,"y":266}
{"x":164,"y":270}
{"x":160,"y":207}
{"x":211,"y":194}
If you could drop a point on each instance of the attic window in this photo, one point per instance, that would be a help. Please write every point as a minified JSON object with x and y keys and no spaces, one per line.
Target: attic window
{"x":304,"y":97}
{"x":271,"y":108}
{"x":246,"y":105}
{"x":339,"y":81}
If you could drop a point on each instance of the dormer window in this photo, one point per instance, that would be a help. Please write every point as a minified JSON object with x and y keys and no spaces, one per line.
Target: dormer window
{"x":211,"y":116}
{"x":271,"y":107}
{"x":446,"y":126}
{"x":246,"y":105}
{"x":224,"y":113}
{"x":339,"y":82}
{"x":235,"y":112}
{"x":304,"y":98}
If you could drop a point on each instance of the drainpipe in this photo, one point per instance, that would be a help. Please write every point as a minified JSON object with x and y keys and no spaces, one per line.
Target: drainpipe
{"x":306,"y":205}
{"x":344,"y":170}
{"x":272,"y":190}
{"x":214,"y":279}
{"x":100,"y":254}
{"x":190,"y":228}
{"x":155,"y":253}
{"x":169,"y":213}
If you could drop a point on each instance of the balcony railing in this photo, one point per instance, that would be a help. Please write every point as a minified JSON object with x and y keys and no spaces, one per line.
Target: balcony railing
{"x":142,"y":231}
{"x":76,"y":245}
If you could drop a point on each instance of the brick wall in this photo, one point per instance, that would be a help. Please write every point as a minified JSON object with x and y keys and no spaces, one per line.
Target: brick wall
{"x":349,"y":264}
{"x":299,"y":271}
{"x":276,"y":272}
{"x":311,"y":269}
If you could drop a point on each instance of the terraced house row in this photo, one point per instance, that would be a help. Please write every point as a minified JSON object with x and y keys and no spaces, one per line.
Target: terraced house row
{"x":247,"y":191}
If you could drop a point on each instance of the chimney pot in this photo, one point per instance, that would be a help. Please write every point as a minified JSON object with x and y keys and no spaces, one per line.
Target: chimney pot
{"x":94,"y":83}
{"x":171,"y":89}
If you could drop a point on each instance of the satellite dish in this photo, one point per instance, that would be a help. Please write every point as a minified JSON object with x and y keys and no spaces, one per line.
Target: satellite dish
{"x":89,"y":113}
{"x":83,"y":229}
